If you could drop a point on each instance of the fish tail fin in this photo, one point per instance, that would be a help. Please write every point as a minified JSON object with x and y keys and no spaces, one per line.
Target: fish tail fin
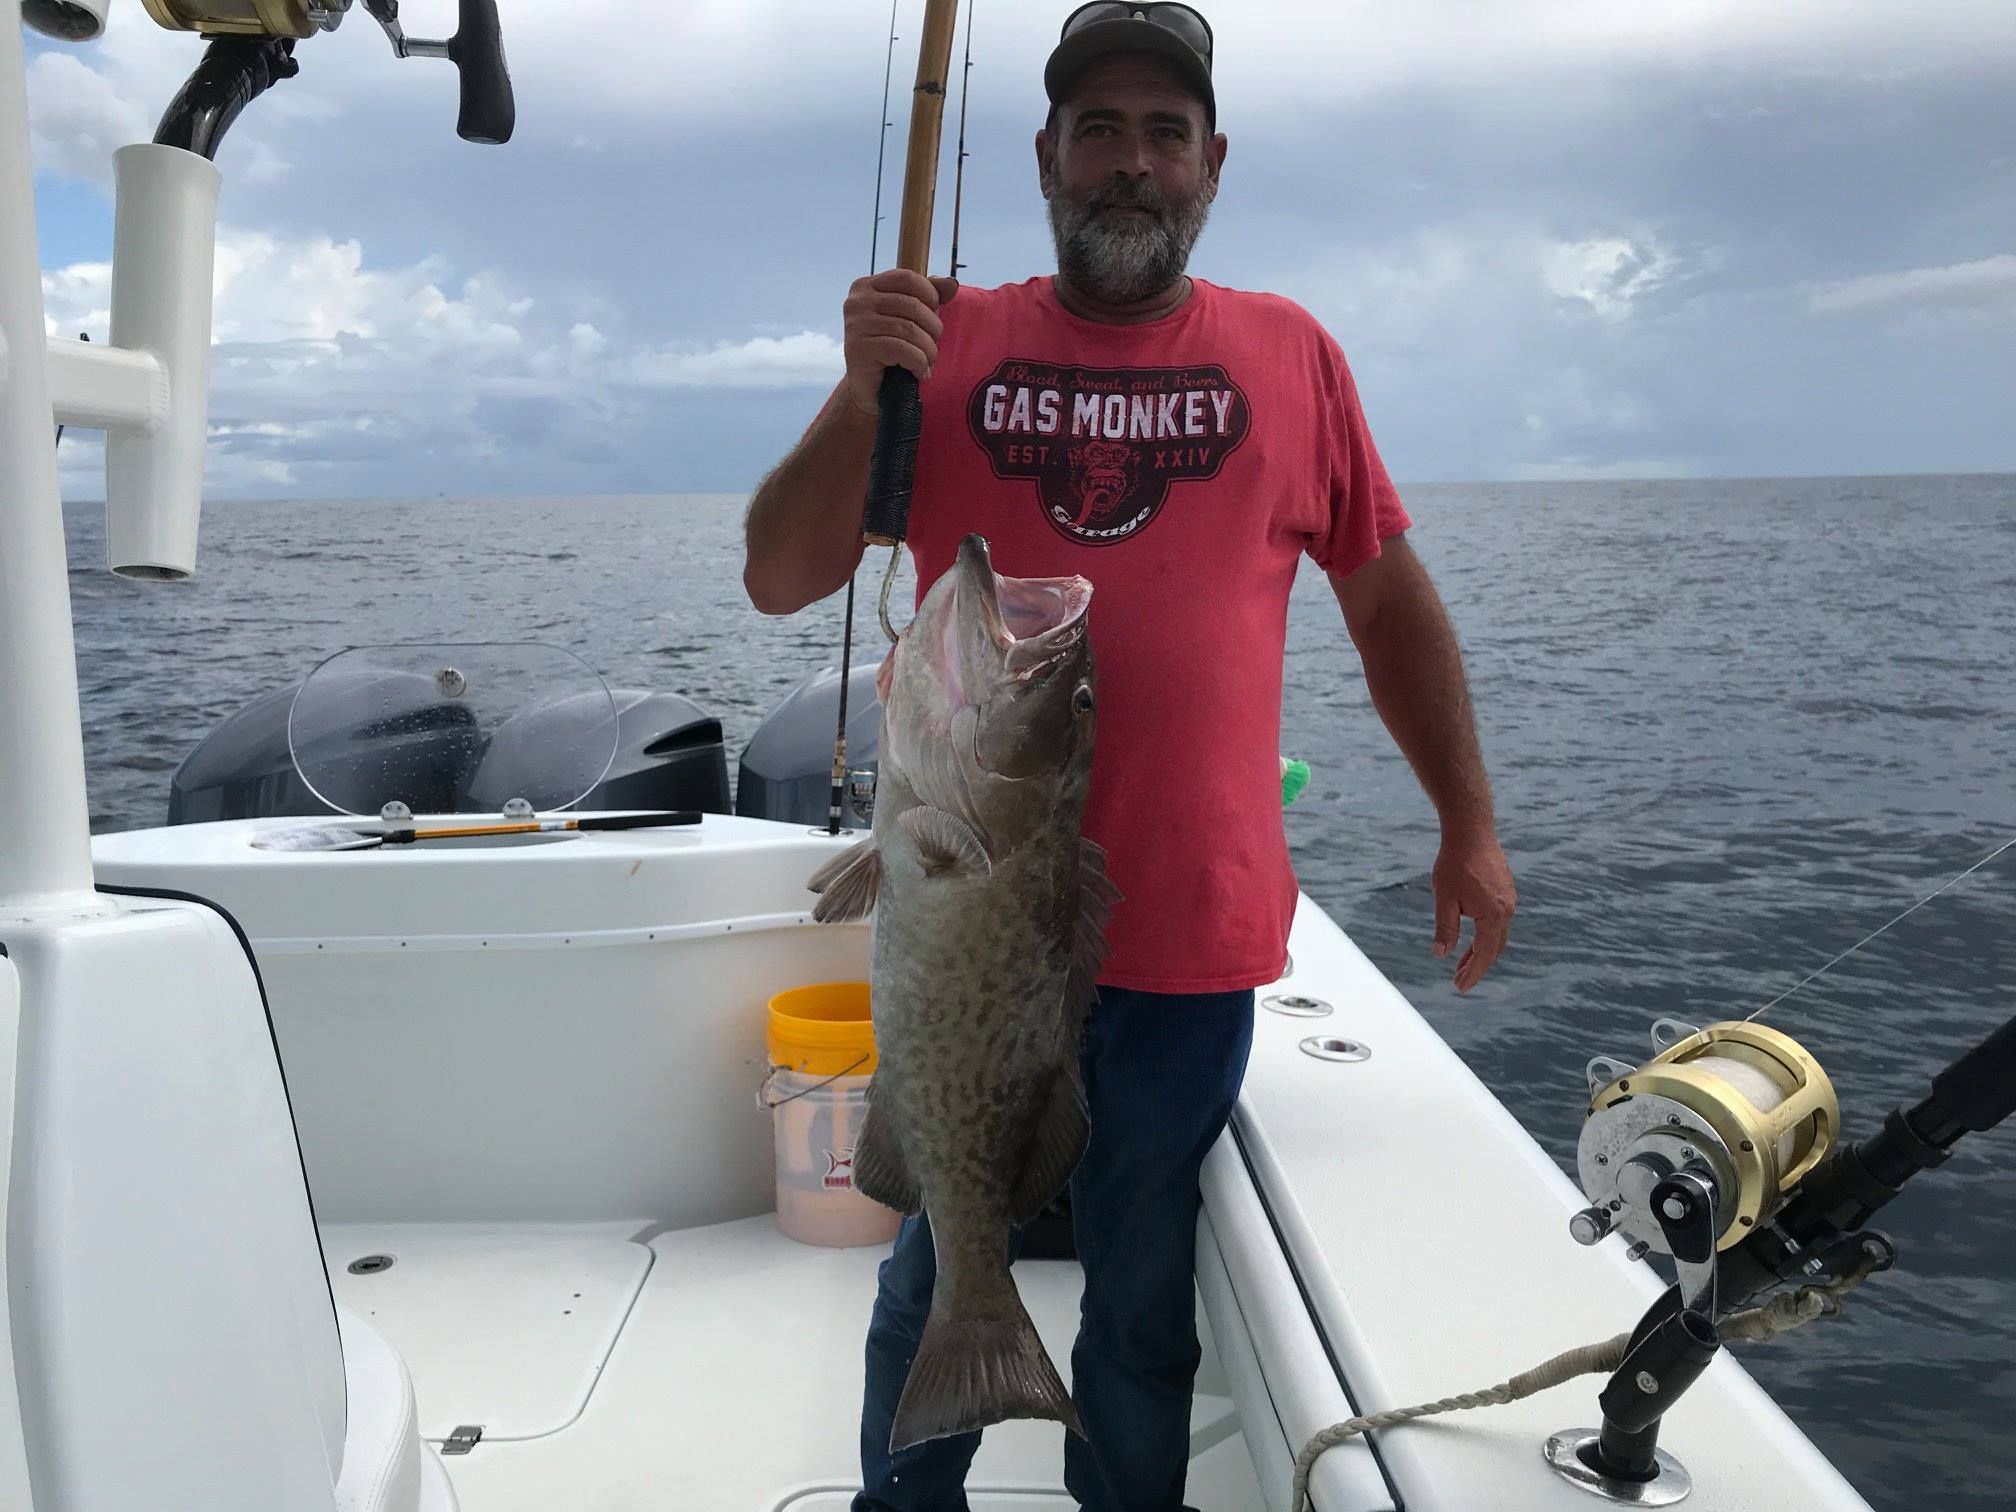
{"x":970,"y":1374}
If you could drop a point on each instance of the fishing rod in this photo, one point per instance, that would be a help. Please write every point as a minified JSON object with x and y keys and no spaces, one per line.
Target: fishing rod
{"x":959,"y":162}
{"x":892,"y":469}
{"x":900,"y":421}
{"x":1817,"y":1230}
{"x":882,"y":146}
{"x":1723,"y":1153}
{"x":835,"y":819}
{"x":334,"y":837}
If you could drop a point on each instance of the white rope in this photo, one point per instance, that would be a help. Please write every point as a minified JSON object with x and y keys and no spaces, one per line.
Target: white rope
{"x":1786,"y":1311}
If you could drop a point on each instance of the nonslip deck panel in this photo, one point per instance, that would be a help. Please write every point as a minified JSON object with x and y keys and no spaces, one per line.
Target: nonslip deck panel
{"x":734,"y":1382}
{"x":502,"y":1326}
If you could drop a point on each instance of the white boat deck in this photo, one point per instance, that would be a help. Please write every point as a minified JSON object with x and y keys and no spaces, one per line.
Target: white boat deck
{"x":528,"y":1073}
{"x":621,"y":1368}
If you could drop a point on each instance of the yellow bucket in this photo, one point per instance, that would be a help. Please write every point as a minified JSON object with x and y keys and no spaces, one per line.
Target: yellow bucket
{"x":823,"y":1030}
{"x":822,"y":1050}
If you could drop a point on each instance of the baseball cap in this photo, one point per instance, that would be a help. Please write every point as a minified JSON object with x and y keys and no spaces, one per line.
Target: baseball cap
{"x":1175,"y":32}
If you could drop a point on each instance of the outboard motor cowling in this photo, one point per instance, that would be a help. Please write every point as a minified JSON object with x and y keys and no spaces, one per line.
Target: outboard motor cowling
{"x":669,"y":755}
{"x":787,"y":767}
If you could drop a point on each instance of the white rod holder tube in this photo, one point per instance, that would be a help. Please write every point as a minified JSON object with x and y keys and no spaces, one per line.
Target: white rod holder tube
{"x":45,"y":830}
{"x":67,"y":20}
{"x":13,"y":1436}
{"x":164,"y":250}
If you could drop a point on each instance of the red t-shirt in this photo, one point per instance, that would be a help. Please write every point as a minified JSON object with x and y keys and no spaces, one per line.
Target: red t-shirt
{"x":1184,"y":467}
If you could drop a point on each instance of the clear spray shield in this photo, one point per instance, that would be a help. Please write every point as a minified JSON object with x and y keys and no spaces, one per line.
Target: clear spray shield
{"x":452,"y":729}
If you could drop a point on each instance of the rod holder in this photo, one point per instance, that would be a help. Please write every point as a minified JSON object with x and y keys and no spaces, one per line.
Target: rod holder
{"x":66,"y":20}
{"x":164,"y":242}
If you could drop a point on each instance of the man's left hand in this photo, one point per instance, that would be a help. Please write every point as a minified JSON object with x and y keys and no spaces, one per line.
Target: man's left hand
{"x":1472,"y":879}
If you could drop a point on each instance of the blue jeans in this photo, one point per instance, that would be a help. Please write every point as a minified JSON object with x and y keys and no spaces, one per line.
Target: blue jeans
{"x":1161,"y":1074}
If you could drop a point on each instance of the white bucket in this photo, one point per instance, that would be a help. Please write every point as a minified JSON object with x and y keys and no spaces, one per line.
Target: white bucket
{"x":818,"y":1122}
{"x":822,"y":1055}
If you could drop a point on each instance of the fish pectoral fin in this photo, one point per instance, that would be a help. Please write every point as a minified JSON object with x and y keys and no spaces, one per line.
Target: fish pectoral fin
{"x":945,"y":843}
{"x":881,"y":1174}
{"x":847,"y":884}
{"x":1096,"y":897}
{"x":1055,"y":1151}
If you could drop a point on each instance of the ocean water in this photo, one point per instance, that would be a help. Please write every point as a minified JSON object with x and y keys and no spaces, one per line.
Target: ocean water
{"x":1733,"y":726}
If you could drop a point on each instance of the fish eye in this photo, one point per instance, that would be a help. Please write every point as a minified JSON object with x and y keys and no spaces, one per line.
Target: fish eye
{"x":1081,"y":698}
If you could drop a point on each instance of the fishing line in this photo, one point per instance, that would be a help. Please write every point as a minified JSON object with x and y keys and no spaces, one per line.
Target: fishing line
{"x":2009,"y":844}
{"x":834,"y":816}
{"x":959,"y":163}
{"x":882,"y":146}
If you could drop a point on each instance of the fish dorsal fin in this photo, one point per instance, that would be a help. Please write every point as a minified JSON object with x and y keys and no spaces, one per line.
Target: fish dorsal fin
{"x":945,"y":843}
{"x":847,"y":884}
{"x":1096,"y":897}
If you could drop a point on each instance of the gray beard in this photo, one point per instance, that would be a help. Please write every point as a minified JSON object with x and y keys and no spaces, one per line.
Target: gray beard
{"x":1125,"y":261}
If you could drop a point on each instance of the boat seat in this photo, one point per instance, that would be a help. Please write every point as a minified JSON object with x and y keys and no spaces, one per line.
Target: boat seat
{"x":387,"y":1466}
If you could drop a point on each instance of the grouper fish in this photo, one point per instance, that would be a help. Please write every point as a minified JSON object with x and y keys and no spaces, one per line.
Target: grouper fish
{"x":990,"y":911}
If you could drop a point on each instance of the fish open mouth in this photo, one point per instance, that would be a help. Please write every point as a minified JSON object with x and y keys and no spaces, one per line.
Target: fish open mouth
{"x":1036,"y":622}
{"x":1043,"y":619}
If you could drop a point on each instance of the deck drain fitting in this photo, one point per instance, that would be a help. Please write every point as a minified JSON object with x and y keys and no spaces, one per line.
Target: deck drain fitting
{"x":1296,"y":1006}
{"x":370,"y":1265}
{"x":1329,"y":1047}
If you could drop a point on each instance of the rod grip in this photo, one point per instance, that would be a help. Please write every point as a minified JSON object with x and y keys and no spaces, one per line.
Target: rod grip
{"x":489,"y":111}
{"x":892,"y":472}
{"x":1978,"y":1090}
{"x":643,"y":821}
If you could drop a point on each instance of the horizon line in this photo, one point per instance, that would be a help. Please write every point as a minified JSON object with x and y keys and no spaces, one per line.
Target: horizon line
{"x":440,"y":496}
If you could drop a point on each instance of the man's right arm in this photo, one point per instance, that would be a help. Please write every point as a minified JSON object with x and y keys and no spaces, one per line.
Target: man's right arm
{"x":802,"y":535}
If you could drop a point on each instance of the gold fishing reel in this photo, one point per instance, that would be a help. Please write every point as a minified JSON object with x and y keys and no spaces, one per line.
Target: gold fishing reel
{"x":1743,"y":1107}
{"x":252,"y":42}
{"x":249,"y":18}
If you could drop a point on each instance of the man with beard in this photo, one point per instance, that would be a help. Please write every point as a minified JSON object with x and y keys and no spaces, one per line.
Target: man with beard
{"x":1182,"y":445}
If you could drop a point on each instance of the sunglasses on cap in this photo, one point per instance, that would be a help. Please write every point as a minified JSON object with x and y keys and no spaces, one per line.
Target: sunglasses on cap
{"x":1179,"y":20}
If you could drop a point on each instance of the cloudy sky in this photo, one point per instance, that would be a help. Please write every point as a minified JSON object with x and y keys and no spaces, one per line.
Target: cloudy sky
{"x":1557,"y":238}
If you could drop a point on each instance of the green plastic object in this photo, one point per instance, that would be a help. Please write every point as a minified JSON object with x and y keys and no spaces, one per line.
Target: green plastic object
{"x":1294,"y":778}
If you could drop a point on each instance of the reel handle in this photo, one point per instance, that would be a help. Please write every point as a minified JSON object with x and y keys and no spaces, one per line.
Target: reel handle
{"x":489,"y":109}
